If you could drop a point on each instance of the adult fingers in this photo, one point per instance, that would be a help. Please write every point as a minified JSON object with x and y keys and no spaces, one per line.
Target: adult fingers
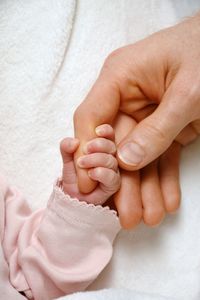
{"x":153,"y":135}
{"x":128,"y":199}
{"x":169,"y":177}
{"x":100,"y":107}
{"x":152,"y":199}
{"x":187,"y":135}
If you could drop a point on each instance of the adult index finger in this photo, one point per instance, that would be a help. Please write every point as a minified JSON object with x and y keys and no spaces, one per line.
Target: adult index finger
{"x":100,"y":106}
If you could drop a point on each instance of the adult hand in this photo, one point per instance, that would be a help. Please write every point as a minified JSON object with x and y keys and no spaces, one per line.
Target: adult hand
{"x":157,"y":82}
{"x":147,"y":194}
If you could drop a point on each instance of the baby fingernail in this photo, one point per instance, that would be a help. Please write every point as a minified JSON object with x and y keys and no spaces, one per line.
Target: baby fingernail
{"x":131,"y":154}
{"x":98,"y":130}
{"x":101,"y":129}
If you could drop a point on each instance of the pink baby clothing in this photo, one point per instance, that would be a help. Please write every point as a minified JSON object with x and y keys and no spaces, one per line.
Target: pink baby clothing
{"x":52,"y":252}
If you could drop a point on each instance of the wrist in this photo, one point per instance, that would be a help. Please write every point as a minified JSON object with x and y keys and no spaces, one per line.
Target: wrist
{"x":65,"y":188}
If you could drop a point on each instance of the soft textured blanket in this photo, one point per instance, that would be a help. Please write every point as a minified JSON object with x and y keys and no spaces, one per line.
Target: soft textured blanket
{"x":115,"y":294}
{"x":50,"y":54}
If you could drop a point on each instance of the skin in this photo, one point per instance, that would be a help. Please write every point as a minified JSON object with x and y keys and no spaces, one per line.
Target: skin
{"x":100,"y":163}
{"x":146,"y":192}
{"x":156,"y":82}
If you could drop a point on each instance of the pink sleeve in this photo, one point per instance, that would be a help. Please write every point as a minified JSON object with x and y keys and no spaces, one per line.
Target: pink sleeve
{"x":56,"y":251}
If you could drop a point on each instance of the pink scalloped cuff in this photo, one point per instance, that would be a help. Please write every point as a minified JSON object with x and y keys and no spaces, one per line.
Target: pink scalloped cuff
{"x":74,"y":211}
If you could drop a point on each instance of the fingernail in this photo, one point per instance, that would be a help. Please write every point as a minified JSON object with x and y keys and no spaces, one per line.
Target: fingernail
{"x":99,"y":130}
{"x":102,"y":129}
{"x":131,"y":154}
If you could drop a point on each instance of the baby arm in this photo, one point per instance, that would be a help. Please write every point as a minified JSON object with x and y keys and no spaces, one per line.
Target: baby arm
{"x":54,"y":252}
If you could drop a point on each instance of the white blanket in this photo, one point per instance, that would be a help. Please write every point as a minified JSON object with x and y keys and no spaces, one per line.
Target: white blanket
{"x":50,"y":54}
{"x":115,"y":294}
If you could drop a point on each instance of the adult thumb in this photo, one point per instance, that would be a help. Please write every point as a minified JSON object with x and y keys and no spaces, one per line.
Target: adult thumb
{"x":153,"y":135}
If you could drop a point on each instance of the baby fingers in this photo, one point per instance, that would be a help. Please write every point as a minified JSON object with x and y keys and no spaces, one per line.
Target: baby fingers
{"x":102,"y":145}
{"x":98,"y":160}
{"x":105,"y":131}
{"x":109,"y":180}
{"x":67,"y":148}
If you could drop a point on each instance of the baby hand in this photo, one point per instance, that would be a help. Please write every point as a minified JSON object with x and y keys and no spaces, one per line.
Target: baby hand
{"x":99,"y":160}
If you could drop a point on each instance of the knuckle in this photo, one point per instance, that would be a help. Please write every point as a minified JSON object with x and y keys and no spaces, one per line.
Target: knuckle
{"x":157,"y":131}
{"x":109,"y":161}
{"x":80,"y":114}
{"x":114,"y":65}
{"x":77,"y":113}
{"x":113,"y":56}
{"x":188,"y":89}
{"x":99,"y":172}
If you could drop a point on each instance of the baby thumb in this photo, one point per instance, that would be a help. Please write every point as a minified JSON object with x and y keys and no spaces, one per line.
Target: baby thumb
{"x":151,"y":137}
